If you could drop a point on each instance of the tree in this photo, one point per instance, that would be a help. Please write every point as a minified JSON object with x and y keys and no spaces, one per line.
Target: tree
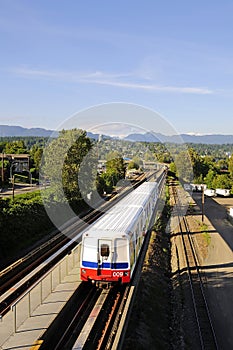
{"x":230,"y":166}
{"x":183,"y":166}
{"x":36,"y":153}
{"x":15,"y":147}
{"x":172,"y":168}
{"x":210,"y":178}
{"x":116,"y":168}
{"x":101,"y":184}
{"x":62,"y":160}
{"x":222,"y":181}
{"x":133,"y":165}
{"x":200,"y":167}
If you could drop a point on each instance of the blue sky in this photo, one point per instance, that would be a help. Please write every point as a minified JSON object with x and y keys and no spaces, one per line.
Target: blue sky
{"x":174,"y":57}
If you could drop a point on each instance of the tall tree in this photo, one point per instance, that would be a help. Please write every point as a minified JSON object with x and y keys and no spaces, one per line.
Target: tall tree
{"x":116,"y":168}
{"x":210,"y":178}
{"x":36,"y":153}
{"x":61,"y":164}
{"x":230,"y":166}
{"x":183,"y":166}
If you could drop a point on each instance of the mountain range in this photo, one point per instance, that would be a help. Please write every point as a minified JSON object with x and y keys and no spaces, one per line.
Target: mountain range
{"x":186,"y":138}
{"x":10,"y":130}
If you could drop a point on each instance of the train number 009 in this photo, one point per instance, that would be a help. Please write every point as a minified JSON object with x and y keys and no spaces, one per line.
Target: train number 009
{"x":117,"y":274}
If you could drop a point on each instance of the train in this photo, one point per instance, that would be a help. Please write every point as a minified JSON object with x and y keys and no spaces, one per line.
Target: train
{"x":111,"y":245}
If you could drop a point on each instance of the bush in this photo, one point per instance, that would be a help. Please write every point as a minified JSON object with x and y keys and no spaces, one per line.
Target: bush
{"x":23,"y":222}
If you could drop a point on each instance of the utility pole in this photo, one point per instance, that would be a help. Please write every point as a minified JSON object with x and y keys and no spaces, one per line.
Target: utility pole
{"x":13,"y":187}
{"x":2,"y":169}
{"x":202,"y":203}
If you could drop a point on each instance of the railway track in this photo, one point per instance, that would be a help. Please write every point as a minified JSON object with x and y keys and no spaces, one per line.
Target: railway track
{"x":205,"y":329}
{"x":93,"y":325}
{"x":104,"y":323}
{"x":40,"y":260}
{"x":80,"y":298}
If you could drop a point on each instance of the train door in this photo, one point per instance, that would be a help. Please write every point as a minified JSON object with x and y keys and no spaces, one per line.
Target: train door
{"x":104,"y":256}
{"x":121,"y":254}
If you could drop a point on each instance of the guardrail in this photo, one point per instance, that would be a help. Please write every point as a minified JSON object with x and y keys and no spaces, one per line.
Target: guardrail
{"x":37,"y":293}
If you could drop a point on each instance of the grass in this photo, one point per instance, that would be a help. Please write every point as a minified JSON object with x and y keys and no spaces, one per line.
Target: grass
{"x":204,"y":229}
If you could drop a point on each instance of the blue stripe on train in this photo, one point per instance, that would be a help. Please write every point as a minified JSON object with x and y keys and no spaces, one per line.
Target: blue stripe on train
{"x":94,"y":265}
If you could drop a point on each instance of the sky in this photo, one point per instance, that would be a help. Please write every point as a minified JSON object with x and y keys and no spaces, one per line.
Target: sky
{"x":173,"y":57}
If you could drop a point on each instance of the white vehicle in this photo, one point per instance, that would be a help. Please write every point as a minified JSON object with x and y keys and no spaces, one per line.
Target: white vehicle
{"x":222,"y":192}
{"x":209,"y":192}
{"x":111,"y":245}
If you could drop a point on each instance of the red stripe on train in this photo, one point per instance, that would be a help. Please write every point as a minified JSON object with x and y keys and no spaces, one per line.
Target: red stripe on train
{"x":105,"y":275}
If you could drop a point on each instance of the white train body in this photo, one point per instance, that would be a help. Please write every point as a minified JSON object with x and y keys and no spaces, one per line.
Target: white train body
{"x":110,"y":246}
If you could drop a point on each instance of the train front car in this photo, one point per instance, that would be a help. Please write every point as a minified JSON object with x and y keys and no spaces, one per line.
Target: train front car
{"x":111,"y":245}
{"x":104,"y":259}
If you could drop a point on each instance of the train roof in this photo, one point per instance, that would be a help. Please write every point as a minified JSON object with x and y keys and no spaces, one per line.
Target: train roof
{"x":138,"y":196}
{"x":122,"y":217}
{"x":121,"y":220}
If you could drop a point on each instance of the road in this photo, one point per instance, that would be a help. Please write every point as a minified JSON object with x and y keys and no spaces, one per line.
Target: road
{"x":19,"y":189}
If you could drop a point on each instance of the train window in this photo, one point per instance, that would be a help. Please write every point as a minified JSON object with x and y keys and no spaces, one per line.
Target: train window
{"x":104,"y":250}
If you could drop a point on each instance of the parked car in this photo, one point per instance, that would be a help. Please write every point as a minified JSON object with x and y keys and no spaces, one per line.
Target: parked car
{"x":209,"y":192}
{"x":222,"y":192}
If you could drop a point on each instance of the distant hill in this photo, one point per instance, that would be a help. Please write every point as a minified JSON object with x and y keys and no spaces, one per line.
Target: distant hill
{"x":147,"y":137}
{"x":210,"y":139}
{"x":11,"y":130}
{"x":205,"y":139}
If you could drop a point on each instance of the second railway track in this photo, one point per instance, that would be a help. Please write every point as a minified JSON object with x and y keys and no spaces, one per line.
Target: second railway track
{"x":204,"y":324}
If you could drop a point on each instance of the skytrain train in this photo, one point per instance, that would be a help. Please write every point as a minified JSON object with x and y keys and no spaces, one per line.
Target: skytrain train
{"x":111,"y":245}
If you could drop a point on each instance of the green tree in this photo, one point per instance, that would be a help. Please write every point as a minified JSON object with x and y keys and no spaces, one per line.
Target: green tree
{"x":210,"y":178}
{"x":101,"y":184}
{"x":61,"y":164}
{"x":200,"y":167}
{"x":230,"y":166}
{"x":222,"y":181}
{"x":36,"y":153}
{"x":133,"y":165}
{"x":172,"y":168}
{"x":116,"y":168}
{"x":15,"y":147}
{"x":183,"y":166}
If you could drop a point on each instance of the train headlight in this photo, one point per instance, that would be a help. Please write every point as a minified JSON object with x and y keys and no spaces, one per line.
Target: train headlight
{"x":83,"y":271}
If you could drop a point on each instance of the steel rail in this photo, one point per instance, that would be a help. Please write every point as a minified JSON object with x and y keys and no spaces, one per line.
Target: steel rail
{"x":190,"y":277}
{"x":112,"y":332}
{"x":79,"y":225}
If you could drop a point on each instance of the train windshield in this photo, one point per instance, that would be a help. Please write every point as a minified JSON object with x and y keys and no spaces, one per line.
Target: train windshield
{"x":104,"y":253}
{"x":104,"y":250}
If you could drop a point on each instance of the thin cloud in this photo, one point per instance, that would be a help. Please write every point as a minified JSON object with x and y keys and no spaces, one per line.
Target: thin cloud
{"x":102,"y":78}
{"x":152,"y":87}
